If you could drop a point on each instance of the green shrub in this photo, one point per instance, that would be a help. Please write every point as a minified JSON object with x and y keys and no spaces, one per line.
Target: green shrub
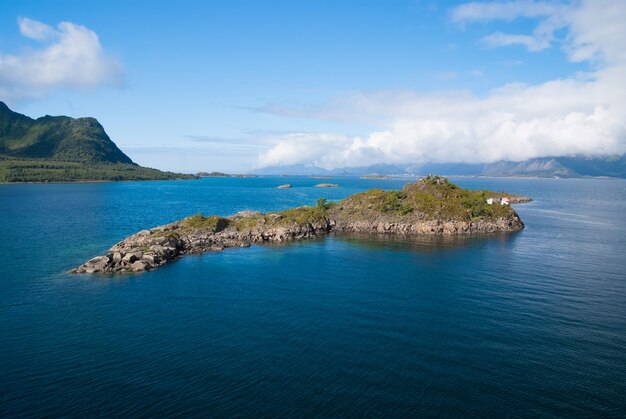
{"x":324,"y":204}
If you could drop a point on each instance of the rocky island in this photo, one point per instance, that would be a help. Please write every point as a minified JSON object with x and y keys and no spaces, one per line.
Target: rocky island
{"x":431,"y":206}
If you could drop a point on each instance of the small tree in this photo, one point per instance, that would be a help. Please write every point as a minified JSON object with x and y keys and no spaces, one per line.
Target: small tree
{"x":323,"y":203}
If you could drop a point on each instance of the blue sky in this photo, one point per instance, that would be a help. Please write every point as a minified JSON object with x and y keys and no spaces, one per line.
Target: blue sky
{"x":235,"y":85}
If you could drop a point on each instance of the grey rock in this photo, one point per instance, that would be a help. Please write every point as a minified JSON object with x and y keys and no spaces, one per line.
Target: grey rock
{"x":139,"y":266}
{"x":130,"y":258}
{"x":246,"y":214}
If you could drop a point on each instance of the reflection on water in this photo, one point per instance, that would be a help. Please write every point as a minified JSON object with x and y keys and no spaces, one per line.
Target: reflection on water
{"x":421,"y":243}
{"x":528,"y":323}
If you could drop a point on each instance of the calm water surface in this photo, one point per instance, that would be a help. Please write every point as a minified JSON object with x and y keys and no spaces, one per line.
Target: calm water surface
{"x":532,"y":323}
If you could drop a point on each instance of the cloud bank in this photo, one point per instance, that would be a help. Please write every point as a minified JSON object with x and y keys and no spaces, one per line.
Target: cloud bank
{"x":69,"y":56}
{"x":583,"y":114}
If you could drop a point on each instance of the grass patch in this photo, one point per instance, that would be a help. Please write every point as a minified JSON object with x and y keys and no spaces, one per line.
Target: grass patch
{"x":303,"y":215}
{"x":249,"y":223}
{"x":212,"y":222}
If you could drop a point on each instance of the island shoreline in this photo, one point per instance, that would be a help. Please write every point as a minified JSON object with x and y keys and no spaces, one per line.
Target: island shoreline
{"x":431,"y":207}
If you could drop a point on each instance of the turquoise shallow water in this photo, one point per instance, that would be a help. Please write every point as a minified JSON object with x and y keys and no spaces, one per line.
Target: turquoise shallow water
{"x":532,"y":323}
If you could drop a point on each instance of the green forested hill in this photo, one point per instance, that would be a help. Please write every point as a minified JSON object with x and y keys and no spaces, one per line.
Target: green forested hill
{"x":60,"y":149}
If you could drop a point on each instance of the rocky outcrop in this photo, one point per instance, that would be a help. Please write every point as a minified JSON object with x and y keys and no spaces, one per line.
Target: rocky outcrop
{"x":326,"y":185}
{"x":436,"y":227}
{"x":435,"y":208}
{"x":518,"y":199}
{"x":285,"y":186}
{"x":150,"y":249}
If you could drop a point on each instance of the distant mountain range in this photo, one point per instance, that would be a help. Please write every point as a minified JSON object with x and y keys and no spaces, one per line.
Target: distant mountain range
{"x":564,"y":167}
{"x":60,"y":149}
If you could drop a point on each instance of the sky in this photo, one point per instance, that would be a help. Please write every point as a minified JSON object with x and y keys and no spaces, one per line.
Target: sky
{"x":239,"y":85}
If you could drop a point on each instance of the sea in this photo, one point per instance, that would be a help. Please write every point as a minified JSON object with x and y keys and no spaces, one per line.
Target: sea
{"x":509,"y":325}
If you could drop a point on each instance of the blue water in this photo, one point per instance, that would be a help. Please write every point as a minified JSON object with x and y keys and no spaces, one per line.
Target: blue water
{"x":532,"y":323}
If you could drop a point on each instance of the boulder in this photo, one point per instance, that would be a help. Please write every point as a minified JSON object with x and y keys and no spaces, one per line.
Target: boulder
{"x":139,"y":266}
{"x":161,"y":240}
{"x":99,"y":263}
{"x":246,"y":214}
{"x":96,"y":260}
{"x":157,"y":249}
{"x":132,"y":257}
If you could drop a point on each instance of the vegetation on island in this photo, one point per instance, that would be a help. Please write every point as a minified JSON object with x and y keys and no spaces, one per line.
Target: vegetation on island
{"x":252,"y":220}
{"x":64,"y":149}
{"x":222,"y":174}
{"x":432,"y":206}
{"x":433,"y":197}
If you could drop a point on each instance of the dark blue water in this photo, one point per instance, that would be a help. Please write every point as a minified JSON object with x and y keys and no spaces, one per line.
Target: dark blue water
{"x":532,"y":323}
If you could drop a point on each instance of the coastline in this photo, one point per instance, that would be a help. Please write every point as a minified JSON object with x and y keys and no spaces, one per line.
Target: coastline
{"x":70,"y":182}
{"x":430,"y":207}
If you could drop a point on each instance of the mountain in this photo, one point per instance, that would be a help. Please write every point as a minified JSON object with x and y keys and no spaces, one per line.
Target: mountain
{"x":311,"y":170}
{"x":376,"y":169}
{"x":458,"y":169}
{"x":580,"y":166}
{"x":58,"y":138}
{"x":536,"y":167}
{"x":293,"y":169}
{"x":610,"y":166}
{"x":60,"y":148}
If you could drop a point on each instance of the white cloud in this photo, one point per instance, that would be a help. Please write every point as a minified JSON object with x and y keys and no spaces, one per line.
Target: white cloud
{"x":499,"y":39}
{"x":503,"y":10}
{"x":35,"y":30}
{"x":553,"y":15}
{"x":582,"y":114}
{"x":598,"y":32}
{"x":70,"y":57}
